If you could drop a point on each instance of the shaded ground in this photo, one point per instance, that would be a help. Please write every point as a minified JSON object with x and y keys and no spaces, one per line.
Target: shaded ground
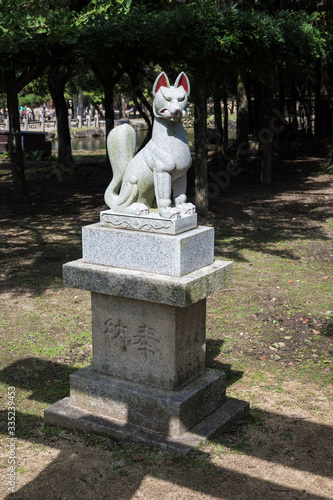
{"x":271,"y":332}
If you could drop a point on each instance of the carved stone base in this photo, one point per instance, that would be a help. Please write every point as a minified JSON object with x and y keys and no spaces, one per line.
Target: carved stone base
{"x":148,"y":380}
{"x":176,"y":420}
{"x":151,"y":223}
{"x":168,"y":412}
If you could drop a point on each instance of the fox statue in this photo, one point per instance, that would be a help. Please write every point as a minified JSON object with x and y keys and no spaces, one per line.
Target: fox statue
{"x":159,"y":169}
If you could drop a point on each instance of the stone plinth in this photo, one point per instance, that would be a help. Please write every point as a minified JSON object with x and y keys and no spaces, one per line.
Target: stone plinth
{"x":169,"y":412}
{"x":173,"y":255}
{"x":64,"y":414}
{"x":151,"y":223}
{"x":180,"y":291}
{"x":148,"y":379}
{"x":155,"y":344}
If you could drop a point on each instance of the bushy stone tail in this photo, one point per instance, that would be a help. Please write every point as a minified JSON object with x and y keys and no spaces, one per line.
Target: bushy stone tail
{"x":121,"y":145}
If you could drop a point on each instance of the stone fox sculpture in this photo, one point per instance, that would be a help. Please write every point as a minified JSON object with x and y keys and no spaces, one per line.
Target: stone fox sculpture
{"x":159,"y":169}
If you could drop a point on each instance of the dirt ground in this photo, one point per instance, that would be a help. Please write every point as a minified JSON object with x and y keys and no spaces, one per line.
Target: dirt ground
{"x":271,"y":332}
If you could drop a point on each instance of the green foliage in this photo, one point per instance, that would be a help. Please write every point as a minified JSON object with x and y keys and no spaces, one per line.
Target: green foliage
{"x":34,"y":93}
{"x":200,"y":31}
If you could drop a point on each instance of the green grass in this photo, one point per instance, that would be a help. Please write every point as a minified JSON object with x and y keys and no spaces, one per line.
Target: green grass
{"x":254,"y":331}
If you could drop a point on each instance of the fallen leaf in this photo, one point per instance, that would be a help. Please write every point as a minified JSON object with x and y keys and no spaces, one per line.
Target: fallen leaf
{"x":288,"y":337}
{"x":276,"y":357}
{"x":262,"y":358}
{"x":316,"y":332}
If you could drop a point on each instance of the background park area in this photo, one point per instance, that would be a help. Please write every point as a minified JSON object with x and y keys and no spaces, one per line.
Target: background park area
{"x":260,"y":127}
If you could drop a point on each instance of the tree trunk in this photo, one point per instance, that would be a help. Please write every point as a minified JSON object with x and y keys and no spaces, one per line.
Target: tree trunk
{"x":328,"y":163}
{"x":108,"y":76}
{"x":225,"y":119}
{"x":200,"y":141}
{"x":242,"y":117}
{"x":141,"y":103}
{"x":57,"y":78}
{"x":80,"y":102}
{"x":323,"y":112}
{"x":218,"y":121}
{"x":15,"y":143}
{"x":266,"y":134}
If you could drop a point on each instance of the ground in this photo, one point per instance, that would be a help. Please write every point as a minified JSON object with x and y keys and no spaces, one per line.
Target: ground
{"x":271,"y":332}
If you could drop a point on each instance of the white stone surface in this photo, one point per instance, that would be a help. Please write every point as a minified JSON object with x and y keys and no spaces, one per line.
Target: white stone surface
{"x":174,"y":255}
{"x":158,"y":171}
{"x":151,"y":223}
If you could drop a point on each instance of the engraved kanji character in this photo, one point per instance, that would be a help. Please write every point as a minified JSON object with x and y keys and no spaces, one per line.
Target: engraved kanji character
{"x":115,"y":330}
{"x":145,"y":339}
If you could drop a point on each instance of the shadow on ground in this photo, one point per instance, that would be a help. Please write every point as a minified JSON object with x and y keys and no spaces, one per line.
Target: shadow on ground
{"x":81,"y":472}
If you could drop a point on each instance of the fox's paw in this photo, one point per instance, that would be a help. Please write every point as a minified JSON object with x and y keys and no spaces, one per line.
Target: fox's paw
{"x":138,"y":209}
{"x":186,"y":209}
{"x":169,"y":213}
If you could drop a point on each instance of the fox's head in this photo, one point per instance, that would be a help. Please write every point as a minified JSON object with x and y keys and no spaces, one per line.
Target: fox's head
{"x":170,"y":102}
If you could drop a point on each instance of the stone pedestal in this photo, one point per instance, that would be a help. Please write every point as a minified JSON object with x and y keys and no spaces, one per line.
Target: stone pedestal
{"x":148,"y":379}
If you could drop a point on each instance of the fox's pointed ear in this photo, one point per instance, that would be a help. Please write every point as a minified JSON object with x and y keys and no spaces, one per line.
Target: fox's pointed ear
{"x":161,"y":81}
{"x":183,"y":81}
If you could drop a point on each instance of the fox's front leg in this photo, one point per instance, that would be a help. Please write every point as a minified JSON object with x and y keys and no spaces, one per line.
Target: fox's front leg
{"x":162,"y":184}
{"x":179,"y":190}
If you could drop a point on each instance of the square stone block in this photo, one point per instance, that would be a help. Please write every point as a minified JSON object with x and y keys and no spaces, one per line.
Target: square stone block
{"x":174,"y":255}
{"x":180,"y":291}
{"x":64,"y":414}
{"x":155,"y":344}
{"x":167,"y":412}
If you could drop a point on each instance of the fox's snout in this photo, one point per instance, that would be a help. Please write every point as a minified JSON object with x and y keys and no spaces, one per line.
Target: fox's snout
{"x":177,"y":113}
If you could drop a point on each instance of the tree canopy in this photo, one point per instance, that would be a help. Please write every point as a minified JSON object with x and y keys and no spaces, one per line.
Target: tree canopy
{"x":116,"y":35}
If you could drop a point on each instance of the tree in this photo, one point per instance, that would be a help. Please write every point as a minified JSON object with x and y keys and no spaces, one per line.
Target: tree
{"x":58,"y":76}
{"x":27,"y":42}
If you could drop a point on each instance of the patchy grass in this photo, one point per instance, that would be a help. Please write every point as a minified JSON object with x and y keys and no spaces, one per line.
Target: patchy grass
{"x":271,"y":332}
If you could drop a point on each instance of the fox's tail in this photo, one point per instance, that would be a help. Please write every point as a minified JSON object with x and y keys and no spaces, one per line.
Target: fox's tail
{"x":121,"y":145}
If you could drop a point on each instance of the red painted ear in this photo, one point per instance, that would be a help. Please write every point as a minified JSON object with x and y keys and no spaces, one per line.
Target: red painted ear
{"x":161,"y":81}
{"x":182,"y":81}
